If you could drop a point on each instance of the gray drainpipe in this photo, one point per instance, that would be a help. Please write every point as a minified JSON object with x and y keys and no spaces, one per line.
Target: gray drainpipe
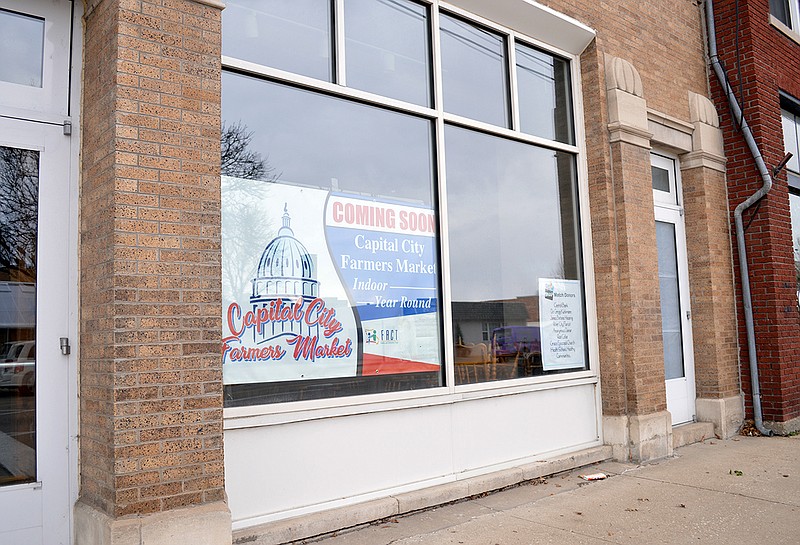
{"x":737,"y":215}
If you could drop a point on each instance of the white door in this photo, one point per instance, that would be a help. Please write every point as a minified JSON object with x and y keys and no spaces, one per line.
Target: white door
{"x":673,"y":275}
{"x":36,"y":274}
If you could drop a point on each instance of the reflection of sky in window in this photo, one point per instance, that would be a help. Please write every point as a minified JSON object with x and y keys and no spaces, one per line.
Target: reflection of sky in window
{"x":21,"y":49}
{"x":309,"y":139}
{"x":387,"y":49}
{"x":504,"y":216}
{"x":291,"y":35}
{"x":537,"y":92}
{"x":473,"y":72}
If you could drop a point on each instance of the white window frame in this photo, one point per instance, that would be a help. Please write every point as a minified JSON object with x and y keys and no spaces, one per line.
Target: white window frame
{"x":568,"y":39}
{"x":50,"y":102}
{"x":668,"y":163}
{"x":792,"y":31}
{"x":793,"y":119}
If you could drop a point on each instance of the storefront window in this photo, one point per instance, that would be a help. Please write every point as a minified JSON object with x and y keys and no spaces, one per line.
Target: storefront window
{"x":388,"y":49}
{"x":330,"y":254}
{"x":545,"y":107}
{"x":332,"y":204}
{"x":291,"y":35}
{"x":474,"y":73}
{"x":514,"y":258}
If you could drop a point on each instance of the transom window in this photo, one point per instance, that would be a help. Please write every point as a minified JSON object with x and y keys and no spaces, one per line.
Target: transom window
{"x":21,"y":48}
{"x":399,"y":202}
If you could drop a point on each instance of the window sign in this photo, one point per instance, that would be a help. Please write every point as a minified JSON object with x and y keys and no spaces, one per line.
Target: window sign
{"x":561,"y":319}
{"x":343,"y":287}
{"x":287,"y":316}
{"x":385,"y":254}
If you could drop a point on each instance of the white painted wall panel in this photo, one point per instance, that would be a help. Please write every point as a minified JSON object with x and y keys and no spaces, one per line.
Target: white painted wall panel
{"x":283,"y":470}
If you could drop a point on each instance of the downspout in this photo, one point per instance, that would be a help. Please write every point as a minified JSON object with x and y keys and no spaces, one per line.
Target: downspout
{"x":737,"y":215}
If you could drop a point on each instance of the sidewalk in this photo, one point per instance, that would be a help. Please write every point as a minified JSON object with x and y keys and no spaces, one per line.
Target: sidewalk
{"x":746,"y":489}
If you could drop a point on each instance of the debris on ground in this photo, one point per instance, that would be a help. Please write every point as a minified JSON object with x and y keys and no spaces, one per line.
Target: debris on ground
{"x":594,"y":477}
{"x":749,"y":429}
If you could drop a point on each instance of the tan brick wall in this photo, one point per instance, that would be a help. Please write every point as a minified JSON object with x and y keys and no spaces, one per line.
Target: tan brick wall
{"x":151,"y":378}
{"x":663,"y":40}
{"x":711,"y":278}
{"x":639,"y":302}
{"x":604,"y":234}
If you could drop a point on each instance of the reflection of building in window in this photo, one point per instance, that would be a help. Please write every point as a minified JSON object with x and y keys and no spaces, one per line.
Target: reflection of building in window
{"x":471,"y":317}
{"x":285,"y":273}
{"x":486,"y":330}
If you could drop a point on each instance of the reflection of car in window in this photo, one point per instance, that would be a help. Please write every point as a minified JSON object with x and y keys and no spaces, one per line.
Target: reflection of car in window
{"x":521,"y":344}
{"x":18,"y":366}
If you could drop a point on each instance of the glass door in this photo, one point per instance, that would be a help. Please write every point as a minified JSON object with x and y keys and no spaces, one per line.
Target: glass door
{"x":673,"y":274}
{"x":34,"y":271}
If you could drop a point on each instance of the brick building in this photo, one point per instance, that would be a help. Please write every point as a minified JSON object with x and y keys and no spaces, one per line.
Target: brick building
{"x":253,"y":231}
{"x":759,"y":46}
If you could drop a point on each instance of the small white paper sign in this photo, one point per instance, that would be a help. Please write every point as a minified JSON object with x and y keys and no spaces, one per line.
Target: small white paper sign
{"x":561,"y":324}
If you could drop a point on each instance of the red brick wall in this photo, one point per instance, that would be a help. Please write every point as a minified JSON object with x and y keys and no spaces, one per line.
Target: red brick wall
{"x":151,"y":376}
{"x":769,"y":62}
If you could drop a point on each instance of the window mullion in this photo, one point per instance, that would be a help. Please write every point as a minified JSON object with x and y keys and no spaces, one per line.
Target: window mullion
{"x":439,"y":154}
{"x":512,"y":79}
{"x":437,"y":58}
{"x":444,"y":257}
{"x":339,"y":55}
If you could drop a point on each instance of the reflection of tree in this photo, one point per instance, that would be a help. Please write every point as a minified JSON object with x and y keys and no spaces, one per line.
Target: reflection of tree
{"x":244,"y":228}
{"x":237,"y":159}
{"x":19,"y":197}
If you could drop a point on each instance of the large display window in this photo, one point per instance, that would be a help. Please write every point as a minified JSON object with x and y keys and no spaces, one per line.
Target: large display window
{"x":378,"y":234}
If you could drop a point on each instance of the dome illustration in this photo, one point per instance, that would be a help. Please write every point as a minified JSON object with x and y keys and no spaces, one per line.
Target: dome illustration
{"x":286,"y":270}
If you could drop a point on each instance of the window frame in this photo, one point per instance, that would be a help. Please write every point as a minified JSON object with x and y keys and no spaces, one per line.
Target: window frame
{"x":280,"y":413}
{"x":793,"y":28}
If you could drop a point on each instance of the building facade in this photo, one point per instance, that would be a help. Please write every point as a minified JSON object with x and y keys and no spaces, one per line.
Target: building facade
{"x":302,"y":265}
{"x":759,"y":45}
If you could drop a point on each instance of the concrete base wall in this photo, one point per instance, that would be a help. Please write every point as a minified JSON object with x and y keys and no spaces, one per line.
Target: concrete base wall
{"x":784,"y":428}
{"x":639,"y":438}
{"x":208,"y":524}
{"x":726,"y":414}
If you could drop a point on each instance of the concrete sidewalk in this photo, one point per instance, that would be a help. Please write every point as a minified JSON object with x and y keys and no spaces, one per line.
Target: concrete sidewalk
{"x":746,"y":489}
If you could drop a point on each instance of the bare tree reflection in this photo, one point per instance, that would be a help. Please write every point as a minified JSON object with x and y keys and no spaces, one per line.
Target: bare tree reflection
{"x":19,"y":197}
{"x":238,"y":160}
{"x":245,"y":183}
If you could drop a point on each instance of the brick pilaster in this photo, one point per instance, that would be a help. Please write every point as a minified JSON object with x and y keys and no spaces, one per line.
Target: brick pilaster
{"x":151,"y":377}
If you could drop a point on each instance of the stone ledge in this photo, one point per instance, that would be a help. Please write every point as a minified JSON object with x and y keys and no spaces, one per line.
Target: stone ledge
{"x":693,"y":432}
{"x":315,"y":524}
{"x":208,"y":524}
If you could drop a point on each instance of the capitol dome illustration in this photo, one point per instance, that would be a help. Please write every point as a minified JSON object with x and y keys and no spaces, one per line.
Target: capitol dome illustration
{"x":285,"y":271}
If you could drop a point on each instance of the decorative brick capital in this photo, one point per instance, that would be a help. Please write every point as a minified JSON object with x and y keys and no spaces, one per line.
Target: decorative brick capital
{"x":707,"y":145}
{"x":627,"y":109}
{"x":621,"y":75}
